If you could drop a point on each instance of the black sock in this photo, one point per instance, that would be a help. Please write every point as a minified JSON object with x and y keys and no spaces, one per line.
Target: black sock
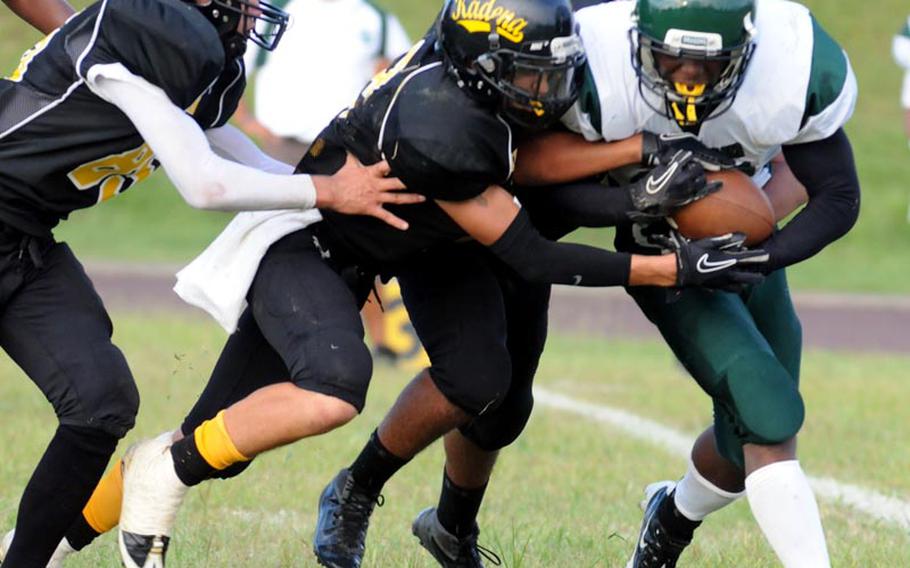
{"x":375,"y":465}
{"x":59,"y":488}
{"x":675,"y":523}
{"x":81,"y":534}
{"x":458,"y":507}
{"x":191,"y":467}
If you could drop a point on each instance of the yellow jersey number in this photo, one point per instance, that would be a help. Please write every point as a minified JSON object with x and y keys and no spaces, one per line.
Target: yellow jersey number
{"x":112,"y":174}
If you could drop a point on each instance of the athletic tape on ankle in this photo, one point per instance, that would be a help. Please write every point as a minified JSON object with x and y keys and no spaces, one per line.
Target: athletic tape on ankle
{"x":215,"y":444}
{"x":102,"y":512}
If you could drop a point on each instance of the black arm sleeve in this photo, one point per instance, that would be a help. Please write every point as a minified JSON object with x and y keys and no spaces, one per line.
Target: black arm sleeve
{"x":827,"y":170}
{"x":539,"y":260}
{"x":560,"y":209}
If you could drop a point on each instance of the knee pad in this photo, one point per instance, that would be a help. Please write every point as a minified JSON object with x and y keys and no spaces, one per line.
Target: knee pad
{"x":335,"y":363}
{"x":765,"y":399}
{"x":106,"y":398}
{"x":474,"y":378}
{"x":499,"y":428}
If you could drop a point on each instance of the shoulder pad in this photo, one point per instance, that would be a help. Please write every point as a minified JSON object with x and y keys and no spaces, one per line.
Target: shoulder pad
{"x":167,"y":42}
{"x":444,"y":144}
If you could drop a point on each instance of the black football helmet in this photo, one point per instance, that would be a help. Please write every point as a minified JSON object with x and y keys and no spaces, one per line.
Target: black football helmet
{"x":262,"y":23}
{"x":524,"y":53}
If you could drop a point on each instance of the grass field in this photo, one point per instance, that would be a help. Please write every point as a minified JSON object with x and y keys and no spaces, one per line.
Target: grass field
{"x":151,"y":223}
{"x":565,"y":495}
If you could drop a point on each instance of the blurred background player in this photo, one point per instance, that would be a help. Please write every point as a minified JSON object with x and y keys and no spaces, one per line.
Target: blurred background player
{"x":329,"y":53}
{"x":900,"y":48}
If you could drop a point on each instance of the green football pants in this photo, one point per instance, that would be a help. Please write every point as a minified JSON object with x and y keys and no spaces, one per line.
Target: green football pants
{"x":743,"y":350}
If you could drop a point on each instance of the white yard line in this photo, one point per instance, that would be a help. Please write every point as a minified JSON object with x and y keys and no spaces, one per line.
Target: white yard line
{"x":891,"y":510}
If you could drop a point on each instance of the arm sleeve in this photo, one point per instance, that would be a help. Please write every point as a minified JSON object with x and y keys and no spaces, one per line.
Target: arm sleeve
{"x":560,"y":209}
{"x":204,"y":179}
{"x":538,"y":260}
{"x":827,"y":171}
{"x":585,"y":203}
{"x":232,"y":144}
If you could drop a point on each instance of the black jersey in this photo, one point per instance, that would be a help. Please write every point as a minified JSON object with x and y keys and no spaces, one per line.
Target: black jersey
{"x":441,"y":142}
{"x":62,"y":147}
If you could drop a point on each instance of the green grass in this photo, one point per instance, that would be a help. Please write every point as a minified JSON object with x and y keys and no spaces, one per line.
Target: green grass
{"x":873,"y":257}
{"x":564,"y":495}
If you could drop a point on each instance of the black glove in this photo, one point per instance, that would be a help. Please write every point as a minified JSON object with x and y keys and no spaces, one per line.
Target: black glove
{"x":658,"y":149}
{"x":681,"y":180}
{"x":716,"y":262}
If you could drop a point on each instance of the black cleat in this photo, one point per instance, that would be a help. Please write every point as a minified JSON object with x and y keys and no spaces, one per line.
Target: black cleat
{"x":344,"y":516}
{"x":449,"y":550}
{"x":656,"y":548}
{"x":139,"y":551}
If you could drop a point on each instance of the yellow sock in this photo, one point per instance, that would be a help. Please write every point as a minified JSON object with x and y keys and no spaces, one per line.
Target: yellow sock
{"x":102,"y":512}
{"x":215,"y":444}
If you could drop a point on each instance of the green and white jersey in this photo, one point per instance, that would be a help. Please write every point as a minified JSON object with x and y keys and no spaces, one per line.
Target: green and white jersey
{"x":799,"y":86}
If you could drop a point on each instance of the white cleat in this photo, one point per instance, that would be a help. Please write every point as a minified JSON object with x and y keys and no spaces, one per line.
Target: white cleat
{"x":152,"y":495}
{"x":63,"y":550}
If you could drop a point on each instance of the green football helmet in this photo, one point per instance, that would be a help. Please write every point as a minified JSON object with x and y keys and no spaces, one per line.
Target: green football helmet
{"x":716,"y":33}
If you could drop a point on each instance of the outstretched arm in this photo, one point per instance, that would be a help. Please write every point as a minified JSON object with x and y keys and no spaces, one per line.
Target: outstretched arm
{"x":208,"y":181}
{"x":497,"y":221}
{"x":45,"y":15}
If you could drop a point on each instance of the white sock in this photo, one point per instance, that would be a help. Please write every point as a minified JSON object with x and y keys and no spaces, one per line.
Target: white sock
{"x":696,"y":497}
{"x":784,"y":507}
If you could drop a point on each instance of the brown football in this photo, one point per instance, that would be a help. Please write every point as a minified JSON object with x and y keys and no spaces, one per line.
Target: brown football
{"x":739,"y":206}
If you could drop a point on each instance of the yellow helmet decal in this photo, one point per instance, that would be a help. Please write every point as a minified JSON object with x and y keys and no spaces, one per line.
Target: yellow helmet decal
{"x":478,"y":16}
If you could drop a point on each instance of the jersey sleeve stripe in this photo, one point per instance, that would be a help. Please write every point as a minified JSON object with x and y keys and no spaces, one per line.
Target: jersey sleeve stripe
{"x":388,"y":112}
{"x":240,"y":74}
{"x":828,"y":75}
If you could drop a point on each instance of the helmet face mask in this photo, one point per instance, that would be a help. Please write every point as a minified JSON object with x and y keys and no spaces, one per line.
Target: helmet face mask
{"x":691,"y":75}
{"x":240,"y":20}
{"x":523,"y":54}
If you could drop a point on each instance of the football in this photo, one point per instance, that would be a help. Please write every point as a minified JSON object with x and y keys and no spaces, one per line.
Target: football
{"x":739,"y":206}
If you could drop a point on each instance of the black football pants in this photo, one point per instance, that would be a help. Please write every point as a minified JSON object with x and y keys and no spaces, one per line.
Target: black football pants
{"x":484,"y":329}
{"x":54,"y":326}
{"x":302,"y":325}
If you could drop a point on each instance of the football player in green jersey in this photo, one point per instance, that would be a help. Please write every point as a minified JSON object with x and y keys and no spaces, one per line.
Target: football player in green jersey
{"x":698,"y":77}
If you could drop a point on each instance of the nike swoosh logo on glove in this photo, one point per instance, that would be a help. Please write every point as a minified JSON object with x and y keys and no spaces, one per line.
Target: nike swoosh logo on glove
{"x":706,"y":266}
{"x":654,"y":185}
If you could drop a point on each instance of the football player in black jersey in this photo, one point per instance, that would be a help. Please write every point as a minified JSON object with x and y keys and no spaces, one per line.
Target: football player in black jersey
{"x":92,"y":109}
{"x":443,"y":115}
